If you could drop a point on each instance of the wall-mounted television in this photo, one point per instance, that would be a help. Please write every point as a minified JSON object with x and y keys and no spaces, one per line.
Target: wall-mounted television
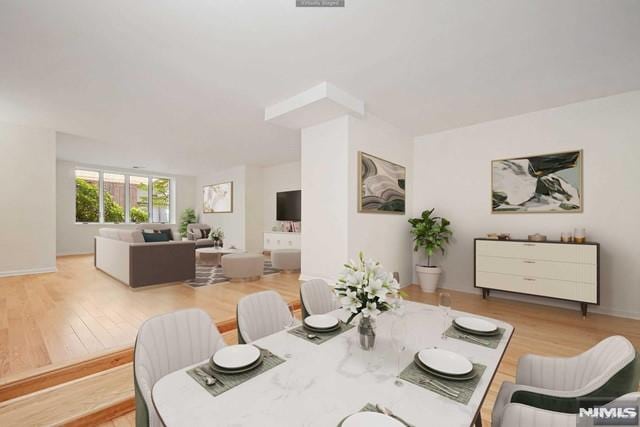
{"x":289,"y":205}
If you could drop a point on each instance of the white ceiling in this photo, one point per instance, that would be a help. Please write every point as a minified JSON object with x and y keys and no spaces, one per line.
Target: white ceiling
{"x":181,"y":86}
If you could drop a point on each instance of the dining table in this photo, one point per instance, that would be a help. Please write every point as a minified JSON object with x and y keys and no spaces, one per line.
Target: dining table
{"x":321,"y":384}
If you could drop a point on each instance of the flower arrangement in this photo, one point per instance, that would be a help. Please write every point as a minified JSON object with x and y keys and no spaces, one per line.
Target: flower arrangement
{"x":364,"y":287}
{"x":216,"y":234}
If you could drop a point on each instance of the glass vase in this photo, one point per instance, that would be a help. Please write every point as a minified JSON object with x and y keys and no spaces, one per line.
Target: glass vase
{"x":367,"y":333}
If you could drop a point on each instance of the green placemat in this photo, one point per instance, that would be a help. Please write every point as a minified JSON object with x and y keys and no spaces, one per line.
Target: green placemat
{"x":321,"y":337}
{"x":228,"y":381}
{"x":370,"y":407}
{"x":490,"y":341}
{"x":419,"y":377}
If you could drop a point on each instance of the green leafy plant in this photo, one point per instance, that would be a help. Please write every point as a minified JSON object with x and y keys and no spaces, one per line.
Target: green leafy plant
{"x":88,"y":204}
{"x":430,"y":233}
{"x":216,"y":234}
{"x":188,"y":217}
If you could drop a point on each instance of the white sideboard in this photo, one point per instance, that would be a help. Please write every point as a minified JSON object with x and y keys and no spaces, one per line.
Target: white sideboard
{"x":281,"y":240}
{"x":567,"y":271}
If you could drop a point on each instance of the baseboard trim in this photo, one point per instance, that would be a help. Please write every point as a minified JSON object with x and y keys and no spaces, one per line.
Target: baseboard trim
{"x":63,"y":254}
{"x":28,"y":271}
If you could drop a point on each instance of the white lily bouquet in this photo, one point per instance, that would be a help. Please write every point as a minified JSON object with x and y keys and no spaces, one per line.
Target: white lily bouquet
{"x":364,"y":287}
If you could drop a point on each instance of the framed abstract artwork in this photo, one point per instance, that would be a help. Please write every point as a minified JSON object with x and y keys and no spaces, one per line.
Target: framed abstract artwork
{"x":542,"y":183}
{"x":381,"y":185}
{"x":218,"y":198}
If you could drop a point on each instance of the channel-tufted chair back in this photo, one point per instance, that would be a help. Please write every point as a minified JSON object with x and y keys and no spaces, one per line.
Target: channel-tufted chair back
{"x":261,"y":314}
{"x":167,"y":343}
{"x":317,"y":298}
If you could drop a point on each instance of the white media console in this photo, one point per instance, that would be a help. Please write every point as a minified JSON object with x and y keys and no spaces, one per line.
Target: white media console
{"x":568,"y":271}
{"x":281,"y":240}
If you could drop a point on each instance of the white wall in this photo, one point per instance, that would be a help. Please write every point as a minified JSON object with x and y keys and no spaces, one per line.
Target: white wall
{"x":73,"y":238}
{"x":283,"y":177}
{"x":324,"y":163}
{"x":233,"y":223}
{"x":383,"y":237}
{"x":452,"y":174}
{"x":28,"y":197}
{"x":254,"y":215}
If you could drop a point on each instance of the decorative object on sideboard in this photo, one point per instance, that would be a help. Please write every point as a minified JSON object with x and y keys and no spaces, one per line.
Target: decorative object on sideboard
{"x":504,"y":236}
{"x":381,"y":185}
{"x":365,"y":289}
{"x":566,"y":237}
{"x":217,"y":198}
{"x":492,"y":236}
{"x":542,"y":183}
{"x":217,"y":235}
{"x":188,"y":217}
{"x":430,"y":233}
{"x":579,"y":235}
{"x":537,"y":237}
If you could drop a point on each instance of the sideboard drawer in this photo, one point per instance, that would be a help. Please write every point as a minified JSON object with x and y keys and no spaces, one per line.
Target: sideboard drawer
{"x":504,"y":282}
{"x":586,"y":254}
{"x":573,"y":272}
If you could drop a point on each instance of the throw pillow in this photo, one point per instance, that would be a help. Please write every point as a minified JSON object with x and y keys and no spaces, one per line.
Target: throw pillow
{"x":168,"y":232}
{"x":155,"y":237}
{"x":197,"y":233}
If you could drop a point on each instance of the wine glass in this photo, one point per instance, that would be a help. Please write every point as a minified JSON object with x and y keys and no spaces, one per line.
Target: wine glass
{"x":444,"y":304}
{"x":288,"y":322}
{"x":399,"y":343}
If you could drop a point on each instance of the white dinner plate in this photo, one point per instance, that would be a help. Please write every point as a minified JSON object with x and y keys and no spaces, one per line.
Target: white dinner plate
{"x":370,"y":419}
{"x":445,"y":361}
{"x":236,"y":356}
{"x":321,"y":321}
{"x":475,"y":324}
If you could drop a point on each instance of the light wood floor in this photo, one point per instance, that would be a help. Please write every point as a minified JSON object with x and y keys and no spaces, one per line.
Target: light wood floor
{"x":80,"y":311}
{"x":77,"y":304}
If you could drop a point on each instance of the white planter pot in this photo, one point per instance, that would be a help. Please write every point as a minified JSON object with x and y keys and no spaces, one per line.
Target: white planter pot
{"x":428,"y":277}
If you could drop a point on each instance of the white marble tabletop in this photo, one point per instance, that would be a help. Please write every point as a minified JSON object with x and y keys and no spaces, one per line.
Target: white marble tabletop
{"x":321,"y":384}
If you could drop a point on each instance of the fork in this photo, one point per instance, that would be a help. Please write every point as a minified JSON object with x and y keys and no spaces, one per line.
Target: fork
{"x":441,"y":387}
{"x":474,"y":339}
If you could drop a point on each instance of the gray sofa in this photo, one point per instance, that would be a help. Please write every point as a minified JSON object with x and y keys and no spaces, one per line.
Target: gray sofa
{"x":195,"y":236}
{"x":124,"y":255}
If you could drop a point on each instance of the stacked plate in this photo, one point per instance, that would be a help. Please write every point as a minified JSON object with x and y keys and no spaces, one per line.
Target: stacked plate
{"x":235,"y":359}
{"x":475,"y":326}
{"x":445,"y":364}
{"x":321,"y":323}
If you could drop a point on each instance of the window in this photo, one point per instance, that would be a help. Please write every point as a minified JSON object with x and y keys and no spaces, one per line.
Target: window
{"x":113,"y":193}
{"x":138,"y":199}
{"x":87,"y":196}
{"x":160,"y":199}
{"x":106,"y":197}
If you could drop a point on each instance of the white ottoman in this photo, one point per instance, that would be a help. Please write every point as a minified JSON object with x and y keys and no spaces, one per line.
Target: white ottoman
{"x":243,"y":267}
{"x":286,"y":259}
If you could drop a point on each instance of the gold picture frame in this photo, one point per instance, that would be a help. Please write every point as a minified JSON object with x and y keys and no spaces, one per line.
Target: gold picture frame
{"x":519,"y":208}
{"x":395,"y":203}
{"x":218,"y":198}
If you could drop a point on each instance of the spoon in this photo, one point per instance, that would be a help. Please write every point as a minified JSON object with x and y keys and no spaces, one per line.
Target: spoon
{"x":312,"y":336}
{"x":208,"y":379}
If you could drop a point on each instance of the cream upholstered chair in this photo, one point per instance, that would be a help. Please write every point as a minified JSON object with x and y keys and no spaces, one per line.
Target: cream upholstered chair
{"x":606,"y":371}
{"x":167,"y":343}
{"x":317,"y":298}
{"x":261,"y":314}
{"x":519,"y":415}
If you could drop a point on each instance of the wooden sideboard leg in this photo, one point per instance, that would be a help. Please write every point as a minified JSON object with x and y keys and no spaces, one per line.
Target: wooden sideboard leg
{"x":583,"y":307}
{"x":478,"y":420}
{"x":485,"y":293}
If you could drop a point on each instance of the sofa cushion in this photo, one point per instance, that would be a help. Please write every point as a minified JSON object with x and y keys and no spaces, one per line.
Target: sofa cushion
{"x":155,"y":237}
{"x":130,"y":236}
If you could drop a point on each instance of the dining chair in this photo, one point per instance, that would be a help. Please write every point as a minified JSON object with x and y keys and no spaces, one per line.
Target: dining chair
{"x":606,"y":371}
{"x":519,"y":415}
{"x":261,"y":314}
{"x":167,"y":343}
{"x":317,"y":298}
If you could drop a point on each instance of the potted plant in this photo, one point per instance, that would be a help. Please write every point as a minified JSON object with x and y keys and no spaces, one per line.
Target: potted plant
{"x":365,"y":288}
{"x":217,"y":235}
{"x":429,"y":233}
{"x":188,"y":217}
